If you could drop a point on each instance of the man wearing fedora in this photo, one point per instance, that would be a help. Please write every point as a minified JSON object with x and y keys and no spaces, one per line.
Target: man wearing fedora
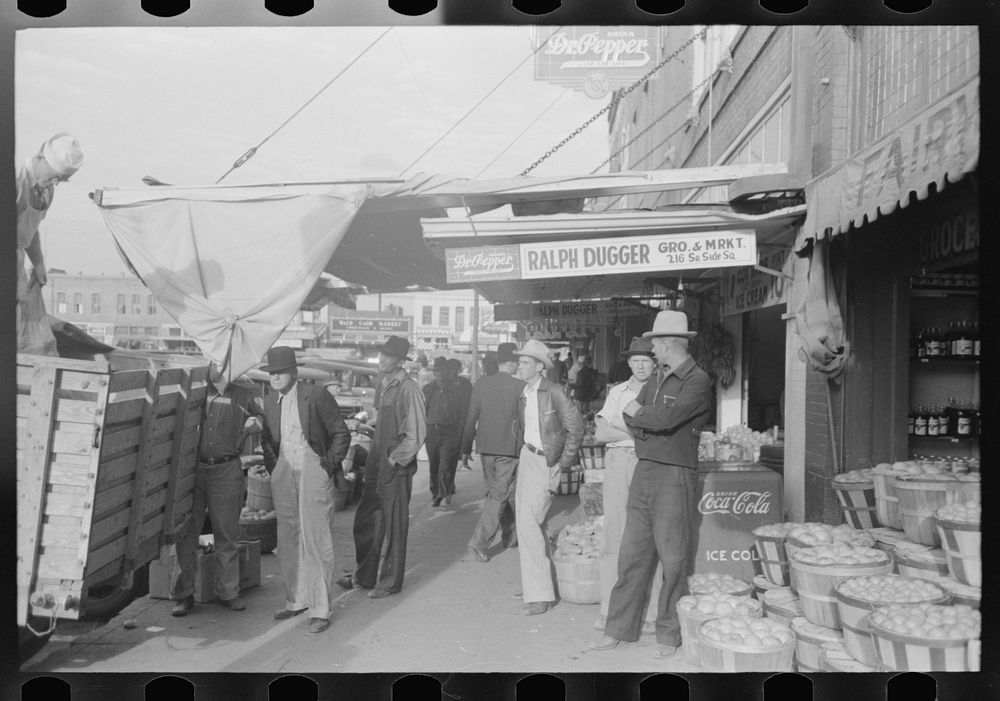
{"x":56,"y":160}
{"x":619,"y":464}
{"x":492,"y":422}
{"x":308,"y":438}
{"x":445,"y":406}
{"x":550,"y":432}
{"x":384,"y":512}
{"x":666,"y":420}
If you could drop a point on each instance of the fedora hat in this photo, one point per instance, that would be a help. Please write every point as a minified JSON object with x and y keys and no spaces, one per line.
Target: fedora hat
{"x":505,"y":352}
{"x":537,"y":350}
{"x":670,"y":323}
{"x":440,"y":363}
{"x":63,"y":153}
{"x":280,"y":358}
{"x":639,"y":346}
{"x":397,"y":347}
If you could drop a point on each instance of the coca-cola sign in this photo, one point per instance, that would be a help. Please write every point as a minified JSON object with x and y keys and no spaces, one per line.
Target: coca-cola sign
{"x":485,"y":263}
{"x":738,"y":503}
{"x":595,"y":59}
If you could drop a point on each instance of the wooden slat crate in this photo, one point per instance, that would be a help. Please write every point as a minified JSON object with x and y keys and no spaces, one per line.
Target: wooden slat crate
{"x":106,"y":461}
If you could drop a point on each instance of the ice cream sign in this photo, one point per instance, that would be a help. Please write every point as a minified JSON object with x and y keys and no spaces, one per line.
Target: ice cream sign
{"x":608,"y":256}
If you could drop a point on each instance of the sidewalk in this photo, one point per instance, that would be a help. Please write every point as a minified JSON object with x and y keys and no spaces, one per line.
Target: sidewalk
{"x":454,"y":614}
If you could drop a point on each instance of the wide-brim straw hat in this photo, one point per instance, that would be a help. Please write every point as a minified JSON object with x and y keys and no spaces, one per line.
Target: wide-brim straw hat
{"x":537,"y":350}
{"x":670,"y":323}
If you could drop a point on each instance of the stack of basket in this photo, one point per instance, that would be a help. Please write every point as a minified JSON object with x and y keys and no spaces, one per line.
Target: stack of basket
{"x":856,"y":495}
{"x":769,"y":541}
{"x":958,"y":526}
{"x":886,"y":501}
{"x":695,"y":609}
{"x":809,"y":641}
{"x":926,"y":638}
{"x":921,"y":495}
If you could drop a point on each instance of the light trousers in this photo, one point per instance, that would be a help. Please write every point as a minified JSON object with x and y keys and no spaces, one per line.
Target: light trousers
{"x":302,"y":492}
{"x":218,"y":488}
{"x":619,"y":464}
{"x":536,"y":483}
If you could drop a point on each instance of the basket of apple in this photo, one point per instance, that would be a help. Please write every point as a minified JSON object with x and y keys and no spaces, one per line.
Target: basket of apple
{"x":770,"y":543}
{"x":921,"y":495}
{"x":746,"y":644}
{"x":919,"y":560}
{"x":809,"y":535}
{"x":926,"y":637}
{"x":859,"y":596}
{"x":715,"y":583}
{"x":695,"y":609}
{"x":856,"y":495}
{"x":816,"y":571}
{"x":782,"y":604}
{"x":958,"y":526}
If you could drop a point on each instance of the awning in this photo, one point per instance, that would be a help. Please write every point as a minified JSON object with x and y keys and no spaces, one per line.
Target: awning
{"x":513,"y":234}
{"x":937,"y":147}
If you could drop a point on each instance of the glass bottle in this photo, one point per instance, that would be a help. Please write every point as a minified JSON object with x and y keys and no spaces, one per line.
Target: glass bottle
{"x":917,"y":344}
{"x":933,"y":425}
{"x":963,"y":421}
{"x":910,"y":420}
{"x":975,"y":339}
{"x":944,"y":421}
{"x":964,"y":341}
{"x":920,"y":422}
{"x":950,"y":339}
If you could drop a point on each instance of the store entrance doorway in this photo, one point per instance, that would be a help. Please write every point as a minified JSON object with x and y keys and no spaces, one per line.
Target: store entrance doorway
{"x":764,"y":367}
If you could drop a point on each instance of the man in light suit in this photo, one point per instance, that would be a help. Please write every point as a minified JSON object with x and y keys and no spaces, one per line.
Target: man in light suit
{"x":305,"y":439}
{"x":492,"y":422}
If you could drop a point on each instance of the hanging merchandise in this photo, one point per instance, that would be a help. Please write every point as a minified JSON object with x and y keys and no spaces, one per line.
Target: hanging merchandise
{"x":715,"y":352}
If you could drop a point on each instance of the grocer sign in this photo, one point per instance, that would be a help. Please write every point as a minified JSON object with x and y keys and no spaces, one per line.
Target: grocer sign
{"x":594,"y":312}
{"x":950,"y":237}
{"x":746,"y":289}
{"x":609,"y":256}
{"x":595,"y":59}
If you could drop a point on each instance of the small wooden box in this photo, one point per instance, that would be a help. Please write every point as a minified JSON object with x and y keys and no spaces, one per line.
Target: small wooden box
{"x":249,"y":564}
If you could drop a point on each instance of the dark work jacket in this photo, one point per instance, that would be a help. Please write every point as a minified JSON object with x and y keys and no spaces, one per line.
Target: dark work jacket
{"x":445,"y":405}
{"x":493,"y":416}
{"x":561,"y":425}
{"x":667,"y":428}
{"x":322,"y":424}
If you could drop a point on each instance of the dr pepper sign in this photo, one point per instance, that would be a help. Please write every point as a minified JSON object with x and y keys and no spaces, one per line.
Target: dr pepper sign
{"x":608,"y":256}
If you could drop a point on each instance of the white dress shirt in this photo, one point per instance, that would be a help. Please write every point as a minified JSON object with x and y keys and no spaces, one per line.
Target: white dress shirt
{"x":618,"y":398}
{"x":532,"y":425}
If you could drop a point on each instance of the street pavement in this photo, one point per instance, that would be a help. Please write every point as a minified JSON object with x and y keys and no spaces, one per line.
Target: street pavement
{"x":455,"y":614}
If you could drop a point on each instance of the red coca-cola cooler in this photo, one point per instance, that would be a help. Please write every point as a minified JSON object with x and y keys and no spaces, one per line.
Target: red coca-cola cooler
{"x":733,"y":499}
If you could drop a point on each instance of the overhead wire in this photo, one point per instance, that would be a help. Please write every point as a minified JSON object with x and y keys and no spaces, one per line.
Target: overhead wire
{"x":524,"y":131}
{"x":481,"y":101}
{"x":250,"y":152}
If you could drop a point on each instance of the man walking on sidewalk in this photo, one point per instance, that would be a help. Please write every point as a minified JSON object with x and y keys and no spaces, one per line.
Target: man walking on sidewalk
{"x":307,"y":439}
{"x":619,"y":463}
{"x":550,"y":435}
{"x":666,"y":420}
{"x":493,"y":423}
{"x":445,"y":407}
{"x":230,"y":415}
{"x":384,"y":512}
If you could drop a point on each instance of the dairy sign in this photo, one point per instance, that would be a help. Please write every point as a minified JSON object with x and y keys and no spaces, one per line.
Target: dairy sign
{"x":595,"y":60}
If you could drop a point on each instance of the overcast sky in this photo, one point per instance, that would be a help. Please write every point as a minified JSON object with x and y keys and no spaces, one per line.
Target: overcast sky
{"x":182,"y":105}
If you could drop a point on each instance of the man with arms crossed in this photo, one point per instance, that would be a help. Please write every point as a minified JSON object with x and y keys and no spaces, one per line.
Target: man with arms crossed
{"x":666,"y":420}
{"x":493,"y":422}
{"x":551,"y":431}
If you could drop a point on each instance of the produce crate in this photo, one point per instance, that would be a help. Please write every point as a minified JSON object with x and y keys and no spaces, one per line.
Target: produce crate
{"x":259,"y":491}
{"x":961,"y":542}
{"x":579,"y":582}
{"x":904,"y":653}
{"x":853,"y":613}
{"x":106,"y":465}
{"x":857,"y":503}
{"x":569,"y":482}
{"x":726,"y":657}
{"x":809,"y":640}
{"x":266,"y":532}
{"x":886,"y":501}
{"x":815,"y":586}
{"x":773,"y":558}
{"x":249,"y":564}
{"x":919,"y":498}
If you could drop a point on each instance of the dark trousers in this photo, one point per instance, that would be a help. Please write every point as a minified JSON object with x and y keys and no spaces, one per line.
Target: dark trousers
{"x":443,"y":450}
{"x":383,"y":516}
{"x":658,"y":527}
{"x":500,"y":474}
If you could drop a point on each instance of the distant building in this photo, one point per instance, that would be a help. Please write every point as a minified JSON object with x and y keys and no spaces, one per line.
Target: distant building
{"x":115,"y":309}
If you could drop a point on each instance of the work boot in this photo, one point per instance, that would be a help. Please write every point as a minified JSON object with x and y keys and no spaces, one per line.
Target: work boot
{"x":183,"y":607}
{"x":234,"y":604}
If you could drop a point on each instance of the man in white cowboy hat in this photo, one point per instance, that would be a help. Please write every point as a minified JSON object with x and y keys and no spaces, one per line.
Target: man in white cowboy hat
{"x":56,"y":160}
{"x":551,"y":429}
{"x":619,"y":464}
{"x":666,"y":420}
{"x":492,"y":423}
{"x":305,"y":439}
{"x":384,"y":512}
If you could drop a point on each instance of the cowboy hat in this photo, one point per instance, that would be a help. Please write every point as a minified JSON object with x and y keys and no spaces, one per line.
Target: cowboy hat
{"x":537,"y":350}
{"x":505,"y":352}
{"x":639,"y":346}
{"x":397,"y":347}
{"x":63,"y":153}
{"x":280,"y":358}
{"x":670,"y":323}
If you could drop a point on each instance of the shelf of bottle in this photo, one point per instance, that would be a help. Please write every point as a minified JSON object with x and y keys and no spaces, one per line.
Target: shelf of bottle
{"x":946,"y":359}
{"x":944,"y":291}
{"x":942,"y":439}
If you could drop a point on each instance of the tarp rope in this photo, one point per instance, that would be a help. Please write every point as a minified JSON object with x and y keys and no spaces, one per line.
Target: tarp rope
{"x":250,"y":153}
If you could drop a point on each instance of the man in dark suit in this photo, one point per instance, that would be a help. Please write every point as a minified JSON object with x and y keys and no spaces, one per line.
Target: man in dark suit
{"x":445,"y":406}
{"x":492,"y":423}
{"x":305,"y":439}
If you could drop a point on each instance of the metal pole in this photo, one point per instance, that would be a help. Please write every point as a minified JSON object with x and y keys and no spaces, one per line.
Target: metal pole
{"x":475,"y":334}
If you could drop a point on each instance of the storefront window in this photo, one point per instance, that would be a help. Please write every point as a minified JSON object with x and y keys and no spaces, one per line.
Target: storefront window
{"x":61,"y":305}
{"x":151,"y":304}
{"x":136,"y":304}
